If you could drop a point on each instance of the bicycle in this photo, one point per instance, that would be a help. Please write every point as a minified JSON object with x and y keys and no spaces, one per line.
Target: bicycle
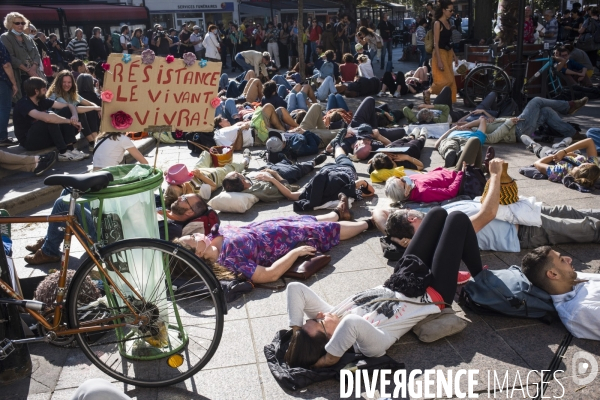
{"x":144,"y":311}
{"x":487,"y":78}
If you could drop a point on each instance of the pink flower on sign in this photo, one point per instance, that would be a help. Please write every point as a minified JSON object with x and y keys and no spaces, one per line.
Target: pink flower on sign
{"x":170,"y":58}
{"x":148,"y":56}
{"x":105,"y":66}
{"x":189,"y":59}
{"x":121,"y":120}
{"x":106,"y":96}
{"x":215,"y":102}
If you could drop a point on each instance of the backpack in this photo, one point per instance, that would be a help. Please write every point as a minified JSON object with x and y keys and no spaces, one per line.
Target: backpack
{"x":116,"y":42}
{"x":326,"y":69}
{"x":429,"y":41}
{"x":258,"y":123}
{"x":507,"y":292}
{"x":206,"y":139}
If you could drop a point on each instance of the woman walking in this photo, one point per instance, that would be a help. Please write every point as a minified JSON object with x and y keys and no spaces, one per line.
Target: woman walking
{"x":443,"y":54}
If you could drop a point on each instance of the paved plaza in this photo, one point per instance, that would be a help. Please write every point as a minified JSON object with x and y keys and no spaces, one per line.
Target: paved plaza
{"x":238,"y":370}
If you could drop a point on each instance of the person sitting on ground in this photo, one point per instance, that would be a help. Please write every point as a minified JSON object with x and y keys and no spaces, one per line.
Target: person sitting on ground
{"x":389,"y":164}
{"x":37,"y":129}
{"x":559,"y":224}
{"x":434,"y":186}
{"x":348,"y":70}
{"x":270,"y":96}
{"x":64,"y":90}
{"x":443,"y":242}
{"x":575,"y":294}
{"x":332,"y":181}
{"x":208,"y":178}
{"x":540,"y":111}
{"x":36,"y":164}
{"x":110,"y":149}
{"x":574,"y":72}
{"x":263,"y":251}
{"x":365,"y":69}
{"x":584,"y":169}
{"x":581,"y":57}
{"x":77,"y":67}
{"x":253,"y":60}
{"x":292,"y":145}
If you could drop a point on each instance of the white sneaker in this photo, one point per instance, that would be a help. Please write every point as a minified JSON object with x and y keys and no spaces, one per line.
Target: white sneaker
{"x":380,"y":94}
{"x":526,"y":140}
{"x":68,"y":156}
{"x":563,"y":143}
{"x":247,"y":157}
{"x":80,"y":153}
{"x":397,"y":95}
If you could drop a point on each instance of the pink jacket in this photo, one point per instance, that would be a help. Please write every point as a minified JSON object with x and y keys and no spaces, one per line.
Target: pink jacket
{"x":437,"y":185}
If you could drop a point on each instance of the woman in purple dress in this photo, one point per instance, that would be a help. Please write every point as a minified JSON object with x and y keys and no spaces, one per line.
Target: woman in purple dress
{"x":263,"y":251}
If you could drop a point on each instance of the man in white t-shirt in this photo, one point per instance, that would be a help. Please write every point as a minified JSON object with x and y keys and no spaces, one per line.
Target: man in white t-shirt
{"x":196,"y":39}
{"x":124,"y":38}
{"x":576,"y":295}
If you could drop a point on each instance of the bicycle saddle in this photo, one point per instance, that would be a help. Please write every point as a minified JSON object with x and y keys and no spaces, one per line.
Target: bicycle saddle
{"x":82,"y":182}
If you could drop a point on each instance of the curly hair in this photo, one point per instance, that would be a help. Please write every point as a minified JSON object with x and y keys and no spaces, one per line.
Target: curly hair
{"x":57,"y":89}
{"x":10,"y":18}
{"x":46,"y":290}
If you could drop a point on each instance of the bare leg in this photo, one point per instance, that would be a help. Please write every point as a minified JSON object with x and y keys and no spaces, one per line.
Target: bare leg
{"x":250,"y":75}
{"x":253,"y":91}
{"x":349,"y":229}
{"x":421,"y":74}
{"x":309,"y":92}
{"x":329,"y":217}
{"x":287,"y":118}
{"x":270,"y":115}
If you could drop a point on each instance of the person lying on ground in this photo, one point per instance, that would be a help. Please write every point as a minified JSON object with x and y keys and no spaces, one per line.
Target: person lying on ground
{"x":291,"y":145}
{"x":313,"y":121}
{"x":584,"y":169}
{"x":361,"y":142}
{"x":426,"y":115}
{"x":388,"y":164}
{"x":110,"y":149}
{"x":36,"y":164}
{"x":444,"y":97}
{"x":292,"y":173}
{"x":366,"y":113}
{"x":594,"y":134}
{"x":363,"y":87}
{"x":320,"y":341}
{"x":559,"y":224}
{"x":540,"y":111}
{"x":331,"y":180}
{"x":399,"y":85}
{"x":263,"y":251}
{"x":234,"y":88}
{"x":207,"y":178}
{"x":279,"y":119}
{"x":487,"y":107}
{"x":576,"y":295}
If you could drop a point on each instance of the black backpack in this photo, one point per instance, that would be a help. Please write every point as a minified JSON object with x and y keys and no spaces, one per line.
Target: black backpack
{"x":206,"y":139}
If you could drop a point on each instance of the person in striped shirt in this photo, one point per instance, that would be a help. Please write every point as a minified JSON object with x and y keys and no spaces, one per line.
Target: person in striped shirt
{"x":79,"y":46}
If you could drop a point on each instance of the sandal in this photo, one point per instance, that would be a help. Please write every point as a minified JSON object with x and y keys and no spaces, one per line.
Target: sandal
{"x":427,"y":97}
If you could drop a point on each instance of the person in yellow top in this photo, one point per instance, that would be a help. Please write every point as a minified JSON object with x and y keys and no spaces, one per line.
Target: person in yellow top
{"x":400,"y":155}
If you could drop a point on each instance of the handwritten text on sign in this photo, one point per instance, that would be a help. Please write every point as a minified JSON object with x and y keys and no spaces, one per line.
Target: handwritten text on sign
{"x":161,"y":93}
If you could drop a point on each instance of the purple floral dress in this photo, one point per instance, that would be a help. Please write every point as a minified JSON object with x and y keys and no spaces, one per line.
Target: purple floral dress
{"x":263,"y":243}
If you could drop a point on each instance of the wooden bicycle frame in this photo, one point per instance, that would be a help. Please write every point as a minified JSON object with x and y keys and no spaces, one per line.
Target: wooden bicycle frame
{"x":72,"y":228}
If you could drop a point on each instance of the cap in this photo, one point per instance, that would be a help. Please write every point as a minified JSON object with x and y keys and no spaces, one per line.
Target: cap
{"x":275,"y":142}
{"x":358,"y":47}
{"x":178,"y":174}
{"x":196,"y":27}
{"x":365,"y":131}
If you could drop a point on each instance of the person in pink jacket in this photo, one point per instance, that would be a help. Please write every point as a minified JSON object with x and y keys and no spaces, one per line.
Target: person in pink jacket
{"x":434,"y":186}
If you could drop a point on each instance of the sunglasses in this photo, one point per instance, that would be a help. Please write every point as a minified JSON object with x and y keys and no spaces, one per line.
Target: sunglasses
{"x":19,"y":23}
{"x":184,"y":198}
{"x":322,"y":324}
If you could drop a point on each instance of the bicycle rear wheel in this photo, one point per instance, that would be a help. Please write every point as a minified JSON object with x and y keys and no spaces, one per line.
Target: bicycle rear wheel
{"x":485,"y":79}
{"x":180,"y":301}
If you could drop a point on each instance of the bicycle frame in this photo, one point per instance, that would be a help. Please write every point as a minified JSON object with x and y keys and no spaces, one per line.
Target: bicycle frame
{"x":548,"y":66}
{"x":72,"y":228}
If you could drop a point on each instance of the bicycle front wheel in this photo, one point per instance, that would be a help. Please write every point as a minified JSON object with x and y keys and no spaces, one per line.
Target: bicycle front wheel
{"x":486,"y":79}
{"x":175,"y":294}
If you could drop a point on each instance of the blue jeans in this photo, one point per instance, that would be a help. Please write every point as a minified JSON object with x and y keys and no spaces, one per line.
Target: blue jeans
{"x":336,"y":101}
{"x":387,"y":48}
{"x":282,"y":91}
{"x":541,"y":111}
{"x":235,"y":89}
{"x":308,"y":147}
{"x":423,"y":54}
{"x":372,"y":53}
{"x":5,"y":106}
{"x":227,"y":110}
{"x":594,"y":134}
{"x":327,"y":87}
{"x":242,"y":63}
{"x":223,"y":81}
{"x":296,"y":101}
{"x":280,"y":80}
{"x":55,"y":234}
{"x":313,"y":50}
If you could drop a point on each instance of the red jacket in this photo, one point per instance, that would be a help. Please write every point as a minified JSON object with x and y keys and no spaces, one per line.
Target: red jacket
{"x":435,"y":186}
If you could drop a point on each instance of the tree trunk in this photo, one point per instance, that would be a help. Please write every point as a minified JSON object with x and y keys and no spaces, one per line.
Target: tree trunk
{"x":300,"y":41}
{"x":482,"y":21}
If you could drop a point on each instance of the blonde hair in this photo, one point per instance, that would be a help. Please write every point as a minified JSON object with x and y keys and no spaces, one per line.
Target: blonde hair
{"x":220,"y":271}
{"x":587,"y":175}
{"x":363,"y":58}
{"x":10,"y":18}
{"x":57,"y":90}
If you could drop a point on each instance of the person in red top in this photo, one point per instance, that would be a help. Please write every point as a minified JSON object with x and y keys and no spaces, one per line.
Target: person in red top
{"x":349,"y":69}
{"x":314,"y":37}
{"x":434,"y":186}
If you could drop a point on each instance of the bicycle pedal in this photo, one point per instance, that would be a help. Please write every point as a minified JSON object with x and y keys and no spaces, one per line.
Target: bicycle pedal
{"x":6,"y":348}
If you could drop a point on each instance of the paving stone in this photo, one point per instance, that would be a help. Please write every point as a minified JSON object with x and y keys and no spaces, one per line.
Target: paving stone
{"x":238,"y":349}
{"x":263,"y":332}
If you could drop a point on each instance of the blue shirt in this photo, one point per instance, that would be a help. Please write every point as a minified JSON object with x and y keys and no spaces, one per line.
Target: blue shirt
{"x":469,"y":134}
{"x":497,"y":235}
{"x":573,"y":66}
{"x":4,"y":58}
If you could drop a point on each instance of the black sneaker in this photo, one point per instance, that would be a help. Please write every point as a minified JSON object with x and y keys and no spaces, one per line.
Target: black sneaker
{"x":320,"y":159}
{"x":8,"y":142}
{"x":451,"y":159}
{"x":46,"y":161}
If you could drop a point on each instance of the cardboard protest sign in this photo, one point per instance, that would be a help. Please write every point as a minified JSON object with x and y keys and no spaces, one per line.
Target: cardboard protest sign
{"x":157,"y":94}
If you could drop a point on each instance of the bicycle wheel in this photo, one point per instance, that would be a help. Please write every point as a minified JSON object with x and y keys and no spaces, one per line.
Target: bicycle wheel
{"x":181,"y":302}
{"x":486,"y":79}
